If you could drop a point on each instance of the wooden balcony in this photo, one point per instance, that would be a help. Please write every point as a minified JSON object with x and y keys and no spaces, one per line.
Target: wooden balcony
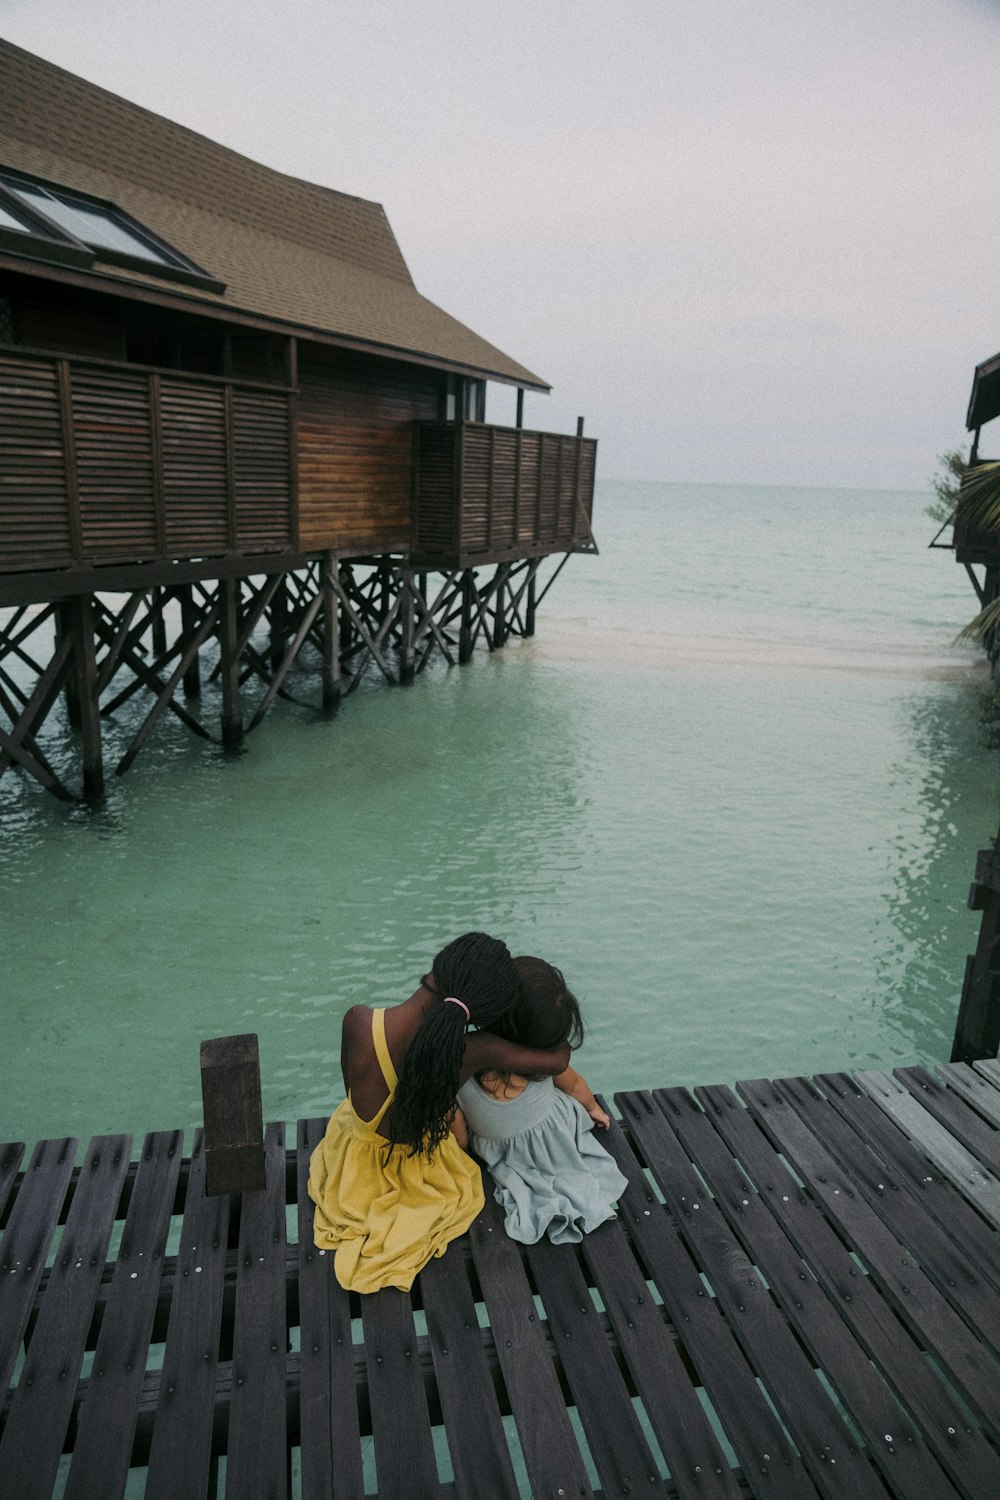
{"x":103,"y":462}
{"x":498,"y":493}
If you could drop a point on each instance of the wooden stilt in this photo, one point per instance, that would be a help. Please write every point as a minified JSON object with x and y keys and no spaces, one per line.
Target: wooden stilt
{"x":279,"y":623}
{"x":407,"y":658}
{"x":232,"y":712}
{"x":159,"y":624}
{"x":331,"y":634}
{"x":189,"y":619}
{"x":465,"y":627}
{"x":71,"y":691}
{"x":977,"y":1032}
{"x":500,"y":610}
{"x":532,"y":605}
{"x":80,"y":622}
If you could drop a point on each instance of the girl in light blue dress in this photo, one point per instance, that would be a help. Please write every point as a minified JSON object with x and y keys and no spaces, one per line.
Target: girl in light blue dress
{"x":535,"y":1135}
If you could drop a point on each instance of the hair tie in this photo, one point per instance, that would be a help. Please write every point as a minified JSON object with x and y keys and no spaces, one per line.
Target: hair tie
{"x":453,"y":1000}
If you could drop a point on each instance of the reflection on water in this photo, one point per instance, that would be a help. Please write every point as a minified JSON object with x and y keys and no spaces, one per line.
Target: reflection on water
{"x":737,"y":800}
{"x":930,"y":929}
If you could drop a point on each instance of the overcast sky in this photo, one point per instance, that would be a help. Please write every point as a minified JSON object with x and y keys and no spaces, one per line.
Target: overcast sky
{"x":749,"y":240}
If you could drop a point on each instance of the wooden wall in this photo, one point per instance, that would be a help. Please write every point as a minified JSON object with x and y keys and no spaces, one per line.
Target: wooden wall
{"x":356,"y":449}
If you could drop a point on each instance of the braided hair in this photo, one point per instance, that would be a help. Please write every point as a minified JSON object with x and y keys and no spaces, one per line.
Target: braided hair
{"x":479,"y":971}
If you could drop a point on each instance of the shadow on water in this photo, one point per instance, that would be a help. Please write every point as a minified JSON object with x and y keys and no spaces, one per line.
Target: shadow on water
{"x":930,"y":928}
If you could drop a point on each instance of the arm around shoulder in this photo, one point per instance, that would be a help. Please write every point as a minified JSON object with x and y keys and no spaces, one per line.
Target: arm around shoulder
{"x":483,"y":1051}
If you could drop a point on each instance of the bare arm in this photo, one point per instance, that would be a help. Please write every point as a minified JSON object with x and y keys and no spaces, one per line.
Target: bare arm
{"x":459,"y":1128}
{"x":571,"y":1082}
{"x":484,"y":1051}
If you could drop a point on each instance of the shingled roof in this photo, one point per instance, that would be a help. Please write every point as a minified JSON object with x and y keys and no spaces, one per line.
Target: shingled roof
{"x":304,"y":257}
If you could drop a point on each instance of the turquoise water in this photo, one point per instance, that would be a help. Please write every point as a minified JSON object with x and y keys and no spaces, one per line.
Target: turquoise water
{"x":734,"y":788}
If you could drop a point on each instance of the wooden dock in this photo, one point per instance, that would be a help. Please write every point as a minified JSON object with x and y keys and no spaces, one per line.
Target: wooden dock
{"x":800,"y":1298}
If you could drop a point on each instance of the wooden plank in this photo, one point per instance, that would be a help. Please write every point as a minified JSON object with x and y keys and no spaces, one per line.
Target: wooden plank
{"x":10,"y":1161}
{"x":960,"y":1448}
{"x":33,"y":1218}
{"x":828,"y":1449}
{"x":180,"y":1455}
{"x":894,"y":1440}
{"x":107,"y":1418}
{"x":696,"y":1462}
{"x":39,"y":1415}
{"x":958,"y":1165}
{"x":257,"y":1456}
{"x":620,"y":1452}
{"x":903,"y":1166}
{"x":401,"y":1427}
{"x":989,"y":1068}
{"x":550,"y":1452}
{"x":479,"y":1455}
{"x":888,"y":1260}
{"x":330,"y":1436}
{"x":770,"y":1464}
{"x":974,"y":1088}
{"x":951,"y":1111}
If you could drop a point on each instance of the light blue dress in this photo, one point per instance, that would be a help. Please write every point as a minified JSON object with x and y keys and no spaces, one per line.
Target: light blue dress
{"x":549,"y":1173}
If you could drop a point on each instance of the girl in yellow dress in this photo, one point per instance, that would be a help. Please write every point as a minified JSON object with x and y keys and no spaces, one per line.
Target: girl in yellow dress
{"x":390,"y":1180}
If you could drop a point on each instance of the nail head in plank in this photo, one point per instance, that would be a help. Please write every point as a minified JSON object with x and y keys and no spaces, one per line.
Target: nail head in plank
{"x":329,"y":1430}
{"x":961,"y":1448}
{"x":479,"y":1453}
{"x":838,"y":1467}
{"x":107,"y":1418}
{"x":180,"y":1457}
{"x":32,"y":1441}
{"x":771,"y":1464}
{"x":550,"y":1452}
{"x":257,"y":1457}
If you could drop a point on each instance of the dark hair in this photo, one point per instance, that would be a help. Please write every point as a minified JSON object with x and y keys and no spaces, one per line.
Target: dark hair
{"x":479,"y":971}
{"x":545,"y":1013}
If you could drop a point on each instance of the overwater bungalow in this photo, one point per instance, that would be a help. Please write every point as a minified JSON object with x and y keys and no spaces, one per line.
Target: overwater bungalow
{"x":232,"y":431}
{"x":976,"y":540}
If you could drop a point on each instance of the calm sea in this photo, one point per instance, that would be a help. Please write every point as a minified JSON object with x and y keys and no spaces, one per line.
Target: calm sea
{"x":734,"y":788}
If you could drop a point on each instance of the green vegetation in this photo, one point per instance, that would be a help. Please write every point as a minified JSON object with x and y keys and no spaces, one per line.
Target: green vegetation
{"x":946,"y":484}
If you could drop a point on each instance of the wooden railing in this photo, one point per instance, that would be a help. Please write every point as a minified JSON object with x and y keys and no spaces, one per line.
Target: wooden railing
{"x":104,"y":462}
{"x":501,"y":491}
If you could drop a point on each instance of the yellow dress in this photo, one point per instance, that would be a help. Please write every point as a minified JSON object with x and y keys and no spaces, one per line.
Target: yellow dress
{"x":386,"y":1214}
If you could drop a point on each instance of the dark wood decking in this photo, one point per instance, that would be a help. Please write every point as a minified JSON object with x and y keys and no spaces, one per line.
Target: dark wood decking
{"x":801,"y":1298}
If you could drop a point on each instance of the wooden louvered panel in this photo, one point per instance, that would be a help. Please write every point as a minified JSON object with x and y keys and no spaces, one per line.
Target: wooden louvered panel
{"x":114,"y":462}
{"x":526,"y":509}
{"x":262,"y":471}
{"x":355,"y":450}
{"x":195,"y":490}
{"x":34,"y":515}
{"x":434,"y":520}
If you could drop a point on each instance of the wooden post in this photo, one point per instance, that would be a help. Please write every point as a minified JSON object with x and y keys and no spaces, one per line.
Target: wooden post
{"x":407,"y":653}
{"x":80,"y":623}
{"x":232,"y":713}
{"x":519,"y":419}
{"x":189,"y":620}
{"x":500,"y":615}
{"x":278,"y":615}
{"x":977,"y":1031}
{"x":532,"y":604}
{"x":159,"y":624}
{"x":71,"y":689}
{"x":331,"y":632}
{"x":234,"y":1122}
{"x":465,"y":627}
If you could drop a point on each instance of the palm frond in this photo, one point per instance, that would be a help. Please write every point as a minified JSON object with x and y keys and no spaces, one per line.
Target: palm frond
{"x":978,"y":629}
{"x":979,"y":497}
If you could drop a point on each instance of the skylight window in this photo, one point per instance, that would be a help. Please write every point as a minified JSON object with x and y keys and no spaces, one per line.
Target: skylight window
{"x":59,"y":223}
{"x":102,"y":228}
{"x":9,"y":220}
